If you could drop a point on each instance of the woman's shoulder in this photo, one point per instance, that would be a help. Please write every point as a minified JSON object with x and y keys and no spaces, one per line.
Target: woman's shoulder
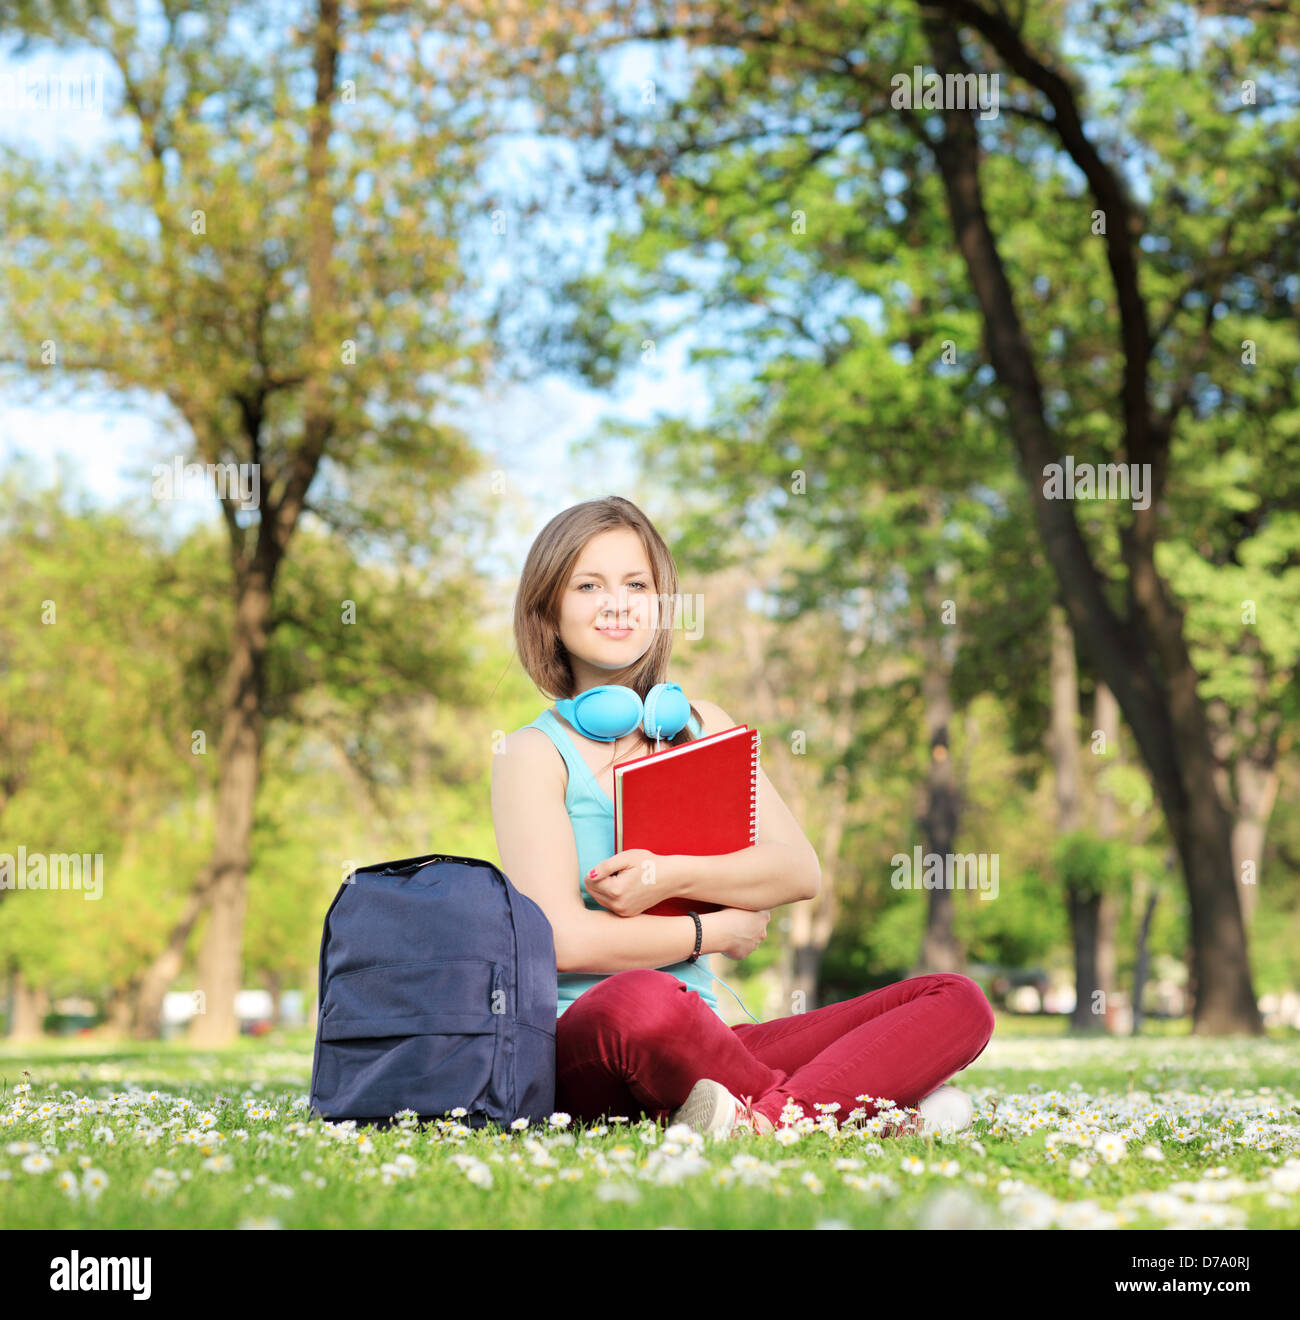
{"x":714,"y":717}
{"x":530,"y":753}
{"x":533,"y":734}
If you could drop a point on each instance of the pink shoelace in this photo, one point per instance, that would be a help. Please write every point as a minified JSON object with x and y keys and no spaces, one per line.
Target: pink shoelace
{"x":749,"y":1118}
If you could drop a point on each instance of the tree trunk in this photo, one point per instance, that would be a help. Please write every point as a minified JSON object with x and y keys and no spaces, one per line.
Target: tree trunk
{"x":159,"y":975}
{"x":1085,"y":920}
{"x":940,"y":819}
{"x":810,"y":922}
{"x":120,"y":1011}
{"x":1248,"y":741}
{"x":1107,"y":957}
{"x":1082,"y":904}
{"x":1106,"y":721}
{"x":241,"y":735}
{"x":28,"y":1006}
{"x":219,"y":960}
{"x":1256,"y":784}
{"x":1140,"y":968}
{"x":1142,"y":655}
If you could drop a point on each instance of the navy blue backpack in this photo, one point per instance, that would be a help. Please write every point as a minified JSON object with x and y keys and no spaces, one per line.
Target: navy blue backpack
{"x":437,"y":990}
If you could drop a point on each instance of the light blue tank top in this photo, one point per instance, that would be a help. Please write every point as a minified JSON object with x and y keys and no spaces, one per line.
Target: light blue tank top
{"x":592,"y":812}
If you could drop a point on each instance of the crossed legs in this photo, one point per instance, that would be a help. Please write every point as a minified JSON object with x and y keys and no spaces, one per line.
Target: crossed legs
{"x":639,"y":1040}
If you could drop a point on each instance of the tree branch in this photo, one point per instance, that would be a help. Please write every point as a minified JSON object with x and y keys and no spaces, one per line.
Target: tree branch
{"x":1123,"y":222}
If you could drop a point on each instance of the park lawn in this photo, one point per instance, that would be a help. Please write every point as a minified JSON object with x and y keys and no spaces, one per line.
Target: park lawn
{"x":1074,"y":1133}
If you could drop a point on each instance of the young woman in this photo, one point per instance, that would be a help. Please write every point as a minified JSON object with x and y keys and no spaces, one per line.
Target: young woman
{"x":638,"y":1028}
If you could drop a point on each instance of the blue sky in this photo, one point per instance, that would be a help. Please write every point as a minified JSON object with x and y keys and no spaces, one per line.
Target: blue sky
{"x":528,"y":430}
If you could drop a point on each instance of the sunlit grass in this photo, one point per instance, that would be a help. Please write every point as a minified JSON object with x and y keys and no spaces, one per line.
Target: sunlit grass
{"x":1169,"y":1131}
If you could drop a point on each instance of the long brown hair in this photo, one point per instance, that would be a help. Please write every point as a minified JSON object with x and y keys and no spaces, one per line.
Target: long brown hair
{"x":551,"y":560}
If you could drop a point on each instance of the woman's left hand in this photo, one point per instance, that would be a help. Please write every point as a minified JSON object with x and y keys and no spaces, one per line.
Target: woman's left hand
{"x":632,"y":881}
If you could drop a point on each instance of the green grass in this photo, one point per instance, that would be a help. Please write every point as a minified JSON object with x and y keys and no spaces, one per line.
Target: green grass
{"x":1221,"y":1114}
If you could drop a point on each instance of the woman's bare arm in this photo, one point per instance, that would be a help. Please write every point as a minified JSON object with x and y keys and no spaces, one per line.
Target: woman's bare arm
{"x":540,"y":857}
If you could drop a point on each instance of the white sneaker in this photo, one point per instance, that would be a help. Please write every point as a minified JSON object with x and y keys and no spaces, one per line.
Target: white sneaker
{"x":946,"y":1108}
{"x":710,"y":1107}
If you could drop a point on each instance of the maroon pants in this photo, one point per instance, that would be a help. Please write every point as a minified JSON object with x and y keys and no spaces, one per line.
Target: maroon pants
{"x":636,"y":1043}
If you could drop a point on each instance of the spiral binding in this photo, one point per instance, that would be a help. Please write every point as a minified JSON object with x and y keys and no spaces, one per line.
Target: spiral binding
{"x":753,"y":839}
{"x":753,"y":790}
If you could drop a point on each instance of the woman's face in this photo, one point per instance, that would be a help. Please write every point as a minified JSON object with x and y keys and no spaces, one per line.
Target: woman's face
{"x":607,"y":612}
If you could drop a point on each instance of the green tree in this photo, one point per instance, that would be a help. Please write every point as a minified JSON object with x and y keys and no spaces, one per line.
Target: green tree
{"x":1113,"y":267}
{"x":272,"y":249}
{"x":102,"y":637}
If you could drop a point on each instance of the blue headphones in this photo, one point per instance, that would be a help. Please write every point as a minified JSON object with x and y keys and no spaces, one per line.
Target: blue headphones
{"x":607,"y":712}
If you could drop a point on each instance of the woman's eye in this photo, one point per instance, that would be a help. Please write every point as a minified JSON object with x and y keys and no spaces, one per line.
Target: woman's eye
{"x":585,"y":585}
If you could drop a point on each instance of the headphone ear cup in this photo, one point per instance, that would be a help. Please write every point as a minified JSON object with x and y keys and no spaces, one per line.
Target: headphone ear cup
{"x":607,"y":712}
{"x":666,"y":711}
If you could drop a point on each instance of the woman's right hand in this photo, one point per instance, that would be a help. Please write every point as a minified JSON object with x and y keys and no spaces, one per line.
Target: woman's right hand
{"x":739,"y":931}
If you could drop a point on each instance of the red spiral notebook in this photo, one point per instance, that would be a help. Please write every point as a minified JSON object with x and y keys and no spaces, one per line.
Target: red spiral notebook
{"x":700,"y":798}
